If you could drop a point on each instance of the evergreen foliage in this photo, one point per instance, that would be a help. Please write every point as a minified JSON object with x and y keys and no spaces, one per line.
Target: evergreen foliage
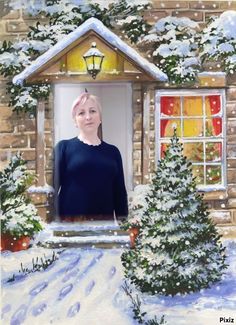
{"x":139,"y":315}
{"x":18,"y":216}
{"x":178,"y":248}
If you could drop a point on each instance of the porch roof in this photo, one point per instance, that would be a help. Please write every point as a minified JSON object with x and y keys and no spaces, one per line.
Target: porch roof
{"x":92,"y":24}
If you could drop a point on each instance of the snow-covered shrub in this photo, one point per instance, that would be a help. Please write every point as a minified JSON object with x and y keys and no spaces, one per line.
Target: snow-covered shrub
{"x":218,"y":41}
{"x":18,"y":216}
{"x":174,"y":48}
{"x":25,"y":98}
{"x":137,"y":205}
{"x":178,"y":249}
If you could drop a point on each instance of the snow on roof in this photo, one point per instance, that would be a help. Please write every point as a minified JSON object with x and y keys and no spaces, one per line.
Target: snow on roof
{"x":97,"y":26}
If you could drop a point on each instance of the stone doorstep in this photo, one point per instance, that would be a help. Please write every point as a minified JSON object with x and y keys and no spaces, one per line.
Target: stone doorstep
{"x":85,"y":233}
{"x":91,"y":234}
{"x":52,"y":245}
{"x":100,"y":241}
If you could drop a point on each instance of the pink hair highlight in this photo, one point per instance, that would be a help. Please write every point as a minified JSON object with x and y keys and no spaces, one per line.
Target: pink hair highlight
{"x":81,"y":100}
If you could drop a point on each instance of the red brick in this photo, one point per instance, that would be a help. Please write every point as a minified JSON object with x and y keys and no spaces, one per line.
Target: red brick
{"x":13,"y":14}
{"x":153,"y":16}
{"x":16,"y":27}
{"x":6,"y":126}
{"x":231,"y":94}
{"x":231,"y":176}
{"x":227,"y":5}
{"x":231,"y":109}
{"x":192,"y":14}
{"x":170,"y":4}
{"x":13,"y":141}
{"x":25,"y":125}
{"x":203,"y":5}
{"x":231,"y":163}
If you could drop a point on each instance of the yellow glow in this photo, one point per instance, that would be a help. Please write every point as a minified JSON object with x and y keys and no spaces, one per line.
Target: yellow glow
{"x":193,"y":128}
{"x":194,"y":151}
{"x":170,"y":126}
{"x":193,"y":106}
{"x":75,"y":60}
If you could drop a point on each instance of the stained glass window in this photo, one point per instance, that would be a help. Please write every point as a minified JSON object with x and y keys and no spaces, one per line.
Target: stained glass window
{"x":198,"y":119}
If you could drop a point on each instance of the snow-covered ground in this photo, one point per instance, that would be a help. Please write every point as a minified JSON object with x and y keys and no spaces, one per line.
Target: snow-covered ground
{"x":84,"y":287}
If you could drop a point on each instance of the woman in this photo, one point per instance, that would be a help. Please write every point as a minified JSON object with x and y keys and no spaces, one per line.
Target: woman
{"x":89,"y":181}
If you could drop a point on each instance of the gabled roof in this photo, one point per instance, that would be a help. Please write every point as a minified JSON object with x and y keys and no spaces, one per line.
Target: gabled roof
{"x":98,"y":27}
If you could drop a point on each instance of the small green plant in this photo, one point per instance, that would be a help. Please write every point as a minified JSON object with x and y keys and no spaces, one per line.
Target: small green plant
{"x":136,"y":307}
{"x":38,"y":264}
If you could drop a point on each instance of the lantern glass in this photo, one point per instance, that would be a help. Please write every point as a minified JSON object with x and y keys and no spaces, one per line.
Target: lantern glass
{"x":93,"y":59}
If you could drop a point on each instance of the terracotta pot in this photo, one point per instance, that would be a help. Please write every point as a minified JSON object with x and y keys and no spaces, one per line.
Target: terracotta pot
{"x":13,"y":243}
{"x":133,"y":233}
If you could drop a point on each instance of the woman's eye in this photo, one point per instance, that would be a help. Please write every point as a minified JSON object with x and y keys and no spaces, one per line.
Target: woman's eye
{"x":81,"y":113}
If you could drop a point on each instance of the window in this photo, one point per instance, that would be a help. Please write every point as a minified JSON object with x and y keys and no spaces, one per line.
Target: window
{"x":198,"y":119}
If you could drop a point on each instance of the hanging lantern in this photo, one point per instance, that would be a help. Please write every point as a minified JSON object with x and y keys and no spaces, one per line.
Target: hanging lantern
{"x":93,"y":59}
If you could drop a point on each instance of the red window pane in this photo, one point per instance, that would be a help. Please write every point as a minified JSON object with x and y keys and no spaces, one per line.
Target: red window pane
{"x":213,"y":126}
{"x":213,"y":105}
{"x":170,"y":106}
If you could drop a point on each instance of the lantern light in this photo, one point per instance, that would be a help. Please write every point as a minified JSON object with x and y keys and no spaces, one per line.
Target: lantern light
{"x":93,"y":59}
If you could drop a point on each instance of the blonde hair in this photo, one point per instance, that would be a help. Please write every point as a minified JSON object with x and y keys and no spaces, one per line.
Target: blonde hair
{"x":81,"y":100}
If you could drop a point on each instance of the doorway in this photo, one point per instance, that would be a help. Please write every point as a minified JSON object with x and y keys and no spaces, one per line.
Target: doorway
{"x":116,"y":102}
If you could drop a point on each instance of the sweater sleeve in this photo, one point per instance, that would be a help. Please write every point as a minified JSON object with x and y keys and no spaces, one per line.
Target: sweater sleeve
{"x":120,"y":194}
{"x":59,"y":166}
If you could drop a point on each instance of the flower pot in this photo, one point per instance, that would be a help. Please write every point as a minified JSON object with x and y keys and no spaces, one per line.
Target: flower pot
{"x":13,"y":243}
{"x":133,"y":233}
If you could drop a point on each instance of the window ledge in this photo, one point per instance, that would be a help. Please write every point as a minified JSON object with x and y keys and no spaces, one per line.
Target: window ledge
{"x":214,"y":194}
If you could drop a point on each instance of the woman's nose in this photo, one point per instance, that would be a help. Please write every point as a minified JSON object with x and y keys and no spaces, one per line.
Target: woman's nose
{"x":88,"y":116}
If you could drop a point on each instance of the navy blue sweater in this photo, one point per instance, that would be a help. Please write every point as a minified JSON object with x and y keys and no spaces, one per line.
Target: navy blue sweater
{"x":89,"y":180}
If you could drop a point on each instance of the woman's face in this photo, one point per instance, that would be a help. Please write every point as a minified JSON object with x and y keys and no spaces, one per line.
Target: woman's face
{"x":88,"y":117}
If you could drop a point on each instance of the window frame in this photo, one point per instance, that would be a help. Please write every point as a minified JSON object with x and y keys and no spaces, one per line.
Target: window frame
{"x":193,"y":92}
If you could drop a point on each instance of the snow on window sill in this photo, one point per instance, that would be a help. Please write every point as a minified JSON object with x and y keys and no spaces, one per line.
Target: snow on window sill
{"x":213,"y":193}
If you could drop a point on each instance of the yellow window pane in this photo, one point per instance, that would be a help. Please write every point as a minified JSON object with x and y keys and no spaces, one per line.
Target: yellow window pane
{"x":192,"y":106}
{"x":198,"y":173}
{"x":194,"y":151}
{"x":213,"y":175}
{"x":213,"y":151}
{"x":168,"y":126}
{"x":193,"y":127}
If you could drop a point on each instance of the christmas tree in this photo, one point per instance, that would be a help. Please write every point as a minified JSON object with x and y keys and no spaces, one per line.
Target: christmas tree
{"x":178,"y":248}
{"x":18,"y":216}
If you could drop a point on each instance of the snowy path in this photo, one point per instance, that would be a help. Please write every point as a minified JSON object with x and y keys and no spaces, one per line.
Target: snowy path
{"x":83,"y":287}
{"x":77,"y":289}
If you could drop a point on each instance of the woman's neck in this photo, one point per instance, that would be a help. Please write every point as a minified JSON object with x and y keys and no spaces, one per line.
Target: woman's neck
{"x":91,"y":139}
